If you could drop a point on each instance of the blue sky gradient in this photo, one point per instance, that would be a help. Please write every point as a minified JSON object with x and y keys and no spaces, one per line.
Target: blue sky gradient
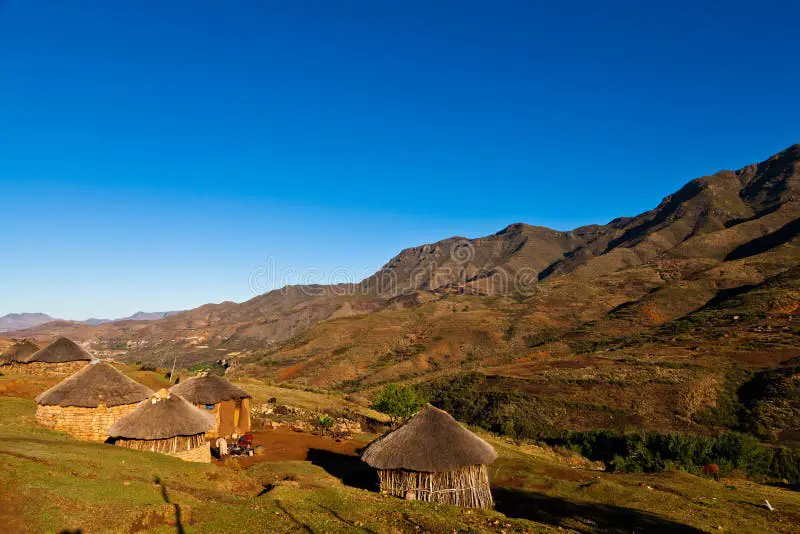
{"x":153,"y":155}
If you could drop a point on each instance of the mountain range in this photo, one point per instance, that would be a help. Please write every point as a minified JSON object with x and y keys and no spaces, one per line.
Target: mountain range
{"x":21,"y":321}
{"x":666,"y":315}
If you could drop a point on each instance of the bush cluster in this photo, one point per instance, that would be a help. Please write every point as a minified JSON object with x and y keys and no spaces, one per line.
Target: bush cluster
{"x":653,"y":451}
{"x":473,"y":399}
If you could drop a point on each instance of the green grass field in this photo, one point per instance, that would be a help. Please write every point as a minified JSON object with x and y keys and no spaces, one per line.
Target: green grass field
{"x":52,"y":483}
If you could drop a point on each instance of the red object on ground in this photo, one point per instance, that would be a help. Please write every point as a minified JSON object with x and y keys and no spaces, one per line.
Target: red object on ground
{"x":711,"y":470}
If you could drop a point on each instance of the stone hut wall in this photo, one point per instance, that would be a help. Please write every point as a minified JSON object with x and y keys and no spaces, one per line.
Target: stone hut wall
{"x":49,"y":369}
{"x":198,"y":454}
{"x":89,"y":424}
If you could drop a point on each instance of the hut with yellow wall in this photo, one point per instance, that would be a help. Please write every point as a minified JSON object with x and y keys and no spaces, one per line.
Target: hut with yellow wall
{"x":88,"y":403}
{"x":167,"y":424}
{"x":229,"y":404}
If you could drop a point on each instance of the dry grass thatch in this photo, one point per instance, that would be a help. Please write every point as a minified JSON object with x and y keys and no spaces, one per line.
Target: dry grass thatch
{"x":18,"y":352}
{"x":164,"y":415}
{"x":431,"y":441}
{"x":60,"y":351}
{"x":467,"y":486}
{"x":188,"y":448}
{"x":95,"y":384}
{"x":164,"y":446}
{"x":208,"y":389}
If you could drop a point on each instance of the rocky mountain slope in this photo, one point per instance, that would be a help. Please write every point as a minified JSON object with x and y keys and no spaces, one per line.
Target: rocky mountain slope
{"x":639,"y":309}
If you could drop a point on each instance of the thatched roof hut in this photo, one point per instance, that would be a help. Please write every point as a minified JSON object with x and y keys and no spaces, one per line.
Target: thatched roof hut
{"x":168,"y":424}
{"x":229,"y":404}
{"x":18,"y":352}
{"x":59,"y":357}
{"x":62,"y":350}
{"x":433,"y":458}
{"x":86,"y":404}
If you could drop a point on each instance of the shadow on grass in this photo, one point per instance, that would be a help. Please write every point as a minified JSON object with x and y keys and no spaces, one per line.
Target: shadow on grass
{"x":582,"y":516}
{"x":350,"y":523}
{"x":349,"y":469}
{"x":302,"y":526}
{"x":176,"y":506}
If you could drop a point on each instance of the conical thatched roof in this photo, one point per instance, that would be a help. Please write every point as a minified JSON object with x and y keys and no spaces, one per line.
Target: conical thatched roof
{"x":208,"y":389}
{"x":431,"y":441}
{"x":92,"y":385}
{"x":163,"y":415}
{"x":19,"y":351}
{"x":61,"y":350}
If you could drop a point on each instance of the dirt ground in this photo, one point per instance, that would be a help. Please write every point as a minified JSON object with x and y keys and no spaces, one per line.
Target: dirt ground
{"x":287,"y":445}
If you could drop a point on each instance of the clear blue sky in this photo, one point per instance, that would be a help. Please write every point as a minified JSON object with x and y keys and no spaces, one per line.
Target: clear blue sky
{"x":154,"y":154}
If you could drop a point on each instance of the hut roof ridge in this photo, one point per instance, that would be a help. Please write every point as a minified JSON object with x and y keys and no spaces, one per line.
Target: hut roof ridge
{"x":431,"y":441}
{"x":208,"y":389}
{"x":163,"y":415}
{"x":92,"y":385}
{"x":61,"y":350}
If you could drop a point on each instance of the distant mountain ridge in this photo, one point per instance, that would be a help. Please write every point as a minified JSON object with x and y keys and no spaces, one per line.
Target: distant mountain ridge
{"x":138,"y":316}
{"x":20,"y":321}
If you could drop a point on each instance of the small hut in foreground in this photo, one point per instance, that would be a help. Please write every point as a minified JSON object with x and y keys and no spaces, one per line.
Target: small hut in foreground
{"x":18,"y":352}
{"x":168,"y":424}
{"x":229,"y":404}
{"x":433,"y":458}
{"x":62,"y":356}
{"x":86,"y":404}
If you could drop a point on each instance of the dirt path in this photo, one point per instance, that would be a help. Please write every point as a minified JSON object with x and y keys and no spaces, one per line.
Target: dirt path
{"x":287,"y":445}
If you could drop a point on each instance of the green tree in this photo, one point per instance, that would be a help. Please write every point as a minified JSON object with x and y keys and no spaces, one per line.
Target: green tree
{"x":325,"y":423}
{"x":398,"y":401}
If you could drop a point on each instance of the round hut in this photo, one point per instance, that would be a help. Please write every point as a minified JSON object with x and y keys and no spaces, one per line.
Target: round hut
{"x":433,"y":458}
{"x":229,"y":404}
{"x":62,"y":356}
{"x":86,"y":404}
{"x":168,"y":424}
{"x":18,"y":352}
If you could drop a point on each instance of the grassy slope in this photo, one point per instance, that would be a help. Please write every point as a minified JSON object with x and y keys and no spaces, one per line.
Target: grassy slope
{"x":625,"y":369}
{"x":50,"y":482}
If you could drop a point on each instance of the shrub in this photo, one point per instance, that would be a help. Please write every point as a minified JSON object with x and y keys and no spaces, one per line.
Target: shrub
{"x":398,"y":401}
{"x":508,"y":429}
{"x":324,"y":423}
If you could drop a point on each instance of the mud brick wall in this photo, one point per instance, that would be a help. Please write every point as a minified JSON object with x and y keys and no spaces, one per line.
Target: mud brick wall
{"x":89,"y":424}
